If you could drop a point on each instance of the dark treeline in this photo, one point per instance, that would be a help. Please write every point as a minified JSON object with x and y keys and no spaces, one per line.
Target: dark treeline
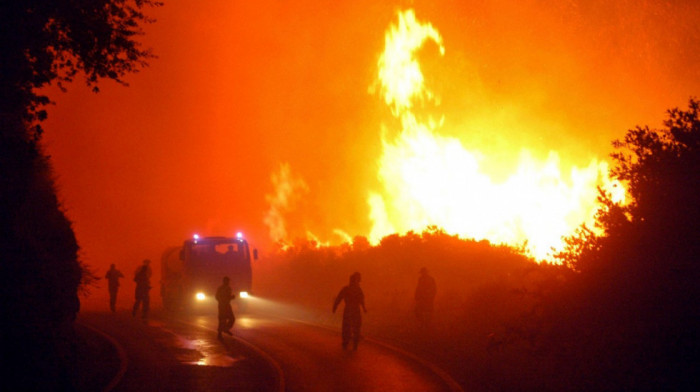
{"x":389,"y":270}
{"x":484,"y":292}
{"x":44,"y":42}
{"x":619,"y":313}
{"x":633,"y":307}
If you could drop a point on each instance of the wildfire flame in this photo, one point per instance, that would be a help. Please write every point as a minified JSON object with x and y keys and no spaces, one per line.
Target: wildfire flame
{"x":429,"y":179}
{"x":288,"y":189}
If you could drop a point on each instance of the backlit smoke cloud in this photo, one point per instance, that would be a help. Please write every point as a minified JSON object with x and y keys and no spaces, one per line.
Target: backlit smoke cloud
{"x":288,"y":189}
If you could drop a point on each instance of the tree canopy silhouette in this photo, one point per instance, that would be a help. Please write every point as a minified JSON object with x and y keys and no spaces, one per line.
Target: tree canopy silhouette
{"x":638,"y":280}
{"x":42,"y":42}
{"x":45,"y":41}
{"x":657,"y":229}
{"x":662,"y":170}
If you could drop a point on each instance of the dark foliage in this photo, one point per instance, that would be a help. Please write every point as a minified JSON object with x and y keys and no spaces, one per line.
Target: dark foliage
{"x":636,"y":291}
{"x":45,"y":41}
{"x":390,"y":269}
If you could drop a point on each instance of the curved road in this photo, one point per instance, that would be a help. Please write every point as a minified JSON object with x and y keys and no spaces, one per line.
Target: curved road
{"x":266,"y":353}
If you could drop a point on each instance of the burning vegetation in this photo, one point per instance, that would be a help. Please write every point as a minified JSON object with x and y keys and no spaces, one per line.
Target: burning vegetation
{"x":614,"y":312}
{"x":429,"y":179}
{"x":547,"y":279}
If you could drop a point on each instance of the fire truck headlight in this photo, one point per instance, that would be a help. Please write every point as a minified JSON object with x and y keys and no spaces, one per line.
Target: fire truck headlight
{"x":200,"y":296}
{"x":243,"y":294}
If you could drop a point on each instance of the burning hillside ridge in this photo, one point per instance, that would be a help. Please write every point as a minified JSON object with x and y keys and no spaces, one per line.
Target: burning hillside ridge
{"x":428,"y":178}
{"x":614,"y":315}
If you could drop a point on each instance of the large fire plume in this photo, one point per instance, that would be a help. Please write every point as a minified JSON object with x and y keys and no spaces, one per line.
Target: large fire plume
{"x":434,"y":180}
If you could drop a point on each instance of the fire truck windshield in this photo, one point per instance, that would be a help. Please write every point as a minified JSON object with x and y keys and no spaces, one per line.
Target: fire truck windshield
{"x":205,"y":251}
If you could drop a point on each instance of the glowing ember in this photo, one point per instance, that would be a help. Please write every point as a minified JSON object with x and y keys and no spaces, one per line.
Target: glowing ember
{"x":430,"y":179}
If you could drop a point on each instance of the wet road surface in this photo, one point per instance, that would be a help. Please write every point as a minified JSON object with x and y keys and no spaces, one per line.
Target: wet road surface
{"x":267,"y":353}
{"x":162,"y":354}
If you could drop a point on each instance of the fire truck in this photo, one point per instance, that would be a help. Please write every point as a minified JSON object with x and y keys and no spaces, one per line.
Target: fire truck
{"x":191,"y":273}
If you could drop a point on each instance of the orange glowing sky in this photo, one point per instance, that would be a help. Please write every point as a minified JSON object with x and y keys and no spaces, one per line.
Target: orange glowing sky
{"x":241,"y":89}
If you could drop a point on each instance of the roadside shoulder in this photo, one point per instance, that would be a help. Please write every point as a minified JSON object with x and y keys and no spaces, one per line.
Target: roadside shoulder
{"x":100,"y":361}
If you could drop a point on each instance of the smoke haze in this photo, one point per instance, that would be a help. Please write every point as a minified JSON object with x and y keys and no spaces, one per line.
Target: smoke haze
{"x":199,"y":141}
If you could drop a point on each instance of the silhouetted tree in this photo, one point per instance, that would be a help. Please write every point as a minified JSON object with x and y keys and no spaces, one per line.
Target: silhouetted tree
{"x":638,"y":282}
{"x":658,"y":228}
{"x":41,"y":42}
{"x":360,"y":243}
{"x":45,"y":41}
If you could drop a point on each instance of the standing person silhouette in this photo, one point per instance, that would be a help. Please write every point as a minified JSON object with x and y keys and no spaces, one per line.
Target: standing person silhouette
{"x":425,"y":296}
{"x":142,"y":277}
{"x":224,"y":296}
{"x":352,"y":317}
{"x":113,"y":275}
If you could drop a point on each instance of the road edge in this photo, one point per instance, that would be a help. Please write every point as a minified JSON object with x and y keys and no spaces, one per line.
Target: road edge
{"x":121,"y":354}
{"x":443,"y":375}
{"x":281,"y":385}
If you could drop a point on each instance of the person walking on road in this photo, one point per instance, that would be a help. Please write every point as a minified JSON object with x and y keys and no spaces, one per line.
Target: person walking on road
{"x":224,"y":295}
{"x":142,"y":277}
{"x":425,"y":296}
{"x":113,"y":275}
{"x":352,"y":317}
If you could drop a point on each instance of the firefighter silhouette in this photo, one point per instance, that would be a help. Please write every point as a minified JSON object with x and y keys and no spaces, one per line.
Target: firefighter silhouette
{"x":142,"y":277}
{"x":113,"y":275}
{"x":224,"y":295}
{"x":354,"y":300}
{"x":425,"y":296}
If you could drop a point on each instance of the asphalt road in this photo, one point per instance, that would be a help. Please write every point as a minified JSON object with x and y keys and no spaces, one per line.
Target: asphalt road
{"x":266,"y":353}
